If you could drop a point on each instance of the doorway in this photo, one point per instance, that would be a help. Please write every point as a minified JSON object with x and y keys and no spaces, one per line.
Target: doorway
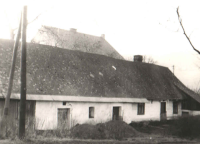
{"x":163,"y":112}
{"x":117,"y":113}
{"x":64,"y":118}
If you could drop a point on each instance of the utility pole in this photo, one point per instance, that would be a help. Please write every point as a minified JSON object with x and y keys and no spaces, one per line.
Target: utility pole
{"x":22,"y":117}
{"x":173,"y":69}
{"x":11,"y":76}
{"x":4,"y":120}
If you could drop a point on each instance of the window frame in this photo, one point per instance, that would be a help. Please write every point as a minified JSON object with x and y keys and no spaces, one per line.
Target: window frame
{"x":91,"y":110}
{"x":140,"y":108}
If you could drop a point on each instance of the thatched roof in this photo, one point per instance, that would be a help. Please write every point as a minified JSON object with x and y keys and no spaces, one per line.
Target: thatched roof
{"x":56,"y":71}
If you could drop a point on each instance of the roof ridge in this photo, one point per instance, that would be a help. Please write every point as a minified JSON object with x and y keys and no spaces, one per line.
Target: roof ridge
{"x":69,"y":31}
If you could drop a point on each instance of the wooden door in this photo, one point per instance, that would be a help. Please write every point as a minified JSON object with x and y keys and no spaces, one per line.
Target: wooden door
{"x":64,"y":118}
{"x":163,"y":111}
{"x":115,"y":113}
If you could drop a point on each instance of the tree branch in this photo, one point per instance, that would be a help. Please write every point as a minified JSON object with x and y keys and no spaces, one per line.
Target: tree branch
{"x":30,"y":21}
{"x":180,"y":20}
{"x":35,"y":18}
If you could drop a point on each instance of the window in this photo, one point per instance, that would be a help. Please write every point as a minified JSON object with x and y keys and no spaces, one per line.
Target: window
{"x":91,"y":112}
{"x":175,"y":107}
{"x":64,"y":103}
{"x":141,"y":108}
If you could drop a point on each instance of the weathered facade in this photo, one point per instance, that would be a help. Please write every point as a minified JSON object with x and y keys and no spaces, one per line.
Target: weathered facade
{"x":14,"y":111}
{"x":69,"y":87}
{"x":103,"y":112}
{"x":48,"y":111}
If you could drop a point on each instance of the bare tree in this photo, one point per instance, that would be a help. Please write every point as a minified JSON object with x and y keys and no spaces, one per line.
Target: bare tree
{"x":188,"y":38}
{"x":12,"y":30}
{"x":148,"y":59}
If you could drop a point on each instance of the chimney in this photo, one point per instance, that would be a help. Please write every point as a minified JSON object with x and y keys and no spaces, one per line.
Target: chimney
{"x":73,"y":30}
{"x":103,"y":36}
{"x":138,"y":58}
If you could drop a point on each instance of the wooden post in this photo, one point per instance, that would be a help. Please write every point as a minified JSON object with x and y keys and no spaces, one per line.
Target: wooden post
{"x":11,"y":76}
{"x":22,"y":117}
{"x":4,"y":121}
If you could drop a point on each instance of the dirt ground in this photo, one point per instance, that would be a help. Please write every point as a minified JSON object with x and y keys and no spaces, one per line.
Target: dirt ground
{"x":151,"y":134}
{"x":149,"y":139}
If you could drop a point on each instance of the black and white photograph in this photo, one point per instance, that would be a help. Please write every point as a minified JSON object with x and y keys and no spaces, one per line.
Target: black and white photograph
{"x":99,"y":72}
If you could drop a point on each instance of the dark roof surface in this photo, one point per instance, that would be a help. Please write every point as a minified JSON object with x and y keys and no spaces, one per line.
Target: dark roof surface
{"x":55,"y":71}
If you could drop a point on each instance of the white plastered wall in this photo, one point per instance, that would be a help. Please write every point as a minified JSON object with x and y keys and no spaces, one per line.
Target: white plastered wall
{"x":46,"y":112}
{"x":152,"y":112}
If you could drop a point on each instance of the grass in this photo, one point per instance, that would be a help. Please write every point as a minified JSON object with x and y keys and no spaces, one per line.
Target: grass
{"x":9,"y":128}
{"x":188,"y":127}
{"x":118,"y":132}
{"x":110,"y":130}
{"x":183,"y":127}
{"x":143,"y":140}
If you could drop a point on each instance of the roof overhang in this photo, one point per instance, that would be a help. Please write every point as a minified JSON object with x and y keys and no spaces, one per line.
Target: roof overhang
{"x":189,"y":93}
{"x":79,"y":98}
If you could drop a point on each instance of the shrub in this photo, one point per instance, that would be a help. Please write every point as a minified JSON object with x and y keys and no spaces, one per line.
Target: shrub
{"x":186,"y":127}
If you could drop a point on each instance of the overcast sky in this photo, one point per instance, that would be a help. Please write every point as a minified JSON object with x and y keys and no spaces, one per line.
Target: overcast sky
{"x":145,"y":27}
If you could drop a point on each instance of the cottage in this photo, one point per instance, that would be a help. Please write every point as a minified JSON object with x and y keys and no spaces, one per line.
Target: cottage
{"x":67,"y":87}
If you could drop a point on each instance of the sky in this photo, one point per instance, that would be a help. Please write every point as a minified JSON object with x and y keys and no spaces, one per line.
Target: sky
{"x":132,"y":27}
